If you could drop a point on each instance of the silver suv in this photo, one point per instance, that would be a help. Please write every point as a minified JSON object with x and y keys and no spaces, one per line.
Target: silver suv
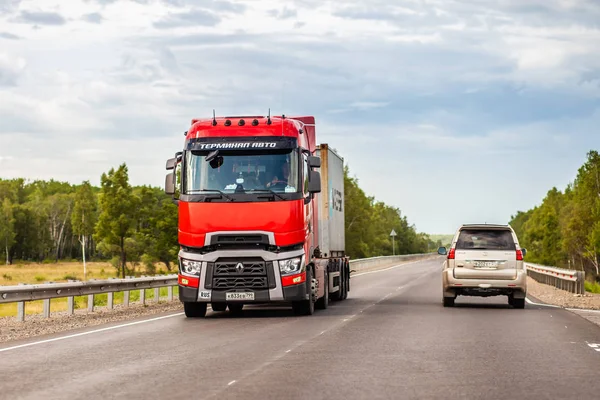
{"x":484,"y":260}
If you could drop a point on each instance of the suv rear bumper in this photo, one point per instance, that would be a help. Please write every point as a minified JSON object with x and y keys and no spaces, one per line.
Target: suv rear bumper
{"x":482,"y":287}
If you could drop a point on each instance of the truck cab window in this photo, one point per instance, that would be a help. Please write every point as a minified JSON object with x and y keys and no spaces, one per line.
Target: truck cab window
{"x":243,"y":172}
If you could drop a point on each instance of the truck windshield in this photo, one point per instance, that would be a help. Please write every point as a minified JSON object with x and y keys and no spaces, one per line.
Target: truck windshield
{"x":242,"y":172}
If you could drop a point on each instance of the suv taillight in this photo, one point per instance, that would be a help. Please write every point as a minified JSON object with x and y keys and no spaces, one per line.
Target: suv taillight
{"x":519,"y":255}
{"x":451,"y":254}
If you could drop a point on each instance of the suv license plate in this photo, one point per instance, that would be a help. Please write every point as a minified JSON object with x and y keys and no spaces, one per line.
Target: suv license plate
{"x":239,"y":296}
{"x":485,"y":264}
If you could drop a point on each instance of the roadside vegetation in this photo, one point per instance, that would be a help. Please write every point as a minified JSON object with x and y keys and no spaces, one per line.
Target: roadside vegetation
{"x":564,"y":230}
{"x":135,"y":228}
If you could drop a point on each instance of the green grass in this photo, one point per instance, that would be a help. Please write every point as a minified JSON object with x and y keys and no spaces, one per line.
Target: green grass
{"x":592,"y":287}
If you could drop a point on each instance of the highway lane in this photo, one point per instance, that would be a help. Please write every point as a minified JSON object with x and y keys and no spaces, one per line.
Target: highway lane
{"x":391,"y":339}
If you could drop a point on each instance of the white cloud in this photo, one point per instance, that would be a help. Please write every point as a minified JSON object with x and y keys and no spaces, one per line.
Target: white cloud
{"x":398,"y":82}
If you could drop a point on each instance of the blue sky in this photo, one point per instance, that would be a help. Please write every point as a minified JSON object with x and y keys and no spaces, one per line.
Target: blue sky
{"x":454,"y":111}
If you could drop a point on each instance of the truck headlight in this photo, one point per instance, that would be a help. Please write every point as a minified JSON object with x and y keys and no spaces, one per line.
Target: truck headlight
{"x":191,"y":267}
{"x":291,"y":266}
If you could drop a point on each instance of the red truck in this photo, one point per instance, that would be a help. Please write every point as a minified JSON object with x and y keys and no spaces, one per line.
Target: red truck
{"x":257,"y":223}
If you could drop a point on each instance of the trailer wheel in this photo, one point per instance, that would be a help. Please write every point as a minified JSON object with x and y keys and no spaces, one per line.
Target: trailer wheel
{"x":339,"y":295}
{"x":346,"y":283}
{"x":306,"y":307}
{"x":323,"y":302}
{"x":194,"y":310}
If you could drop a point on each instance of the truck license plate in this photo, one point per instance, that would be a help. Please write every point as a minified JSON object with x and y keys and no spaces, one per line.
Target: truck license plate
{"x":239,"y":296}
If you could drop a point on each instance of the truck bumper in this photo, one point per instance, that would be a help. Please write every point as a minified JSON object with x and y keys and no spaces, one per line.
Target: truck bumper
{"x":290,"y":293}
{"x":203,"y":288}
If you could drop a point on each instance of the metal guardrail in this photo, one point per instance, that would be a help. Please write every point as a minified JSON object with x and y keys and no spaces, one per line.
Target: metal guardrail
{"x":564,"y":279}
{"x":366,"y":264}
{"x":22,"y":293}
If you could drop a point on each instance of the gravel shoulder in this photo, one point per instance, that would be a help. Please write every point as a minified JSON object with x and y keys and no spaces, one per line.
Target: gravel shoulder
{"x":37,"y":325}
{"x":586,"y":306}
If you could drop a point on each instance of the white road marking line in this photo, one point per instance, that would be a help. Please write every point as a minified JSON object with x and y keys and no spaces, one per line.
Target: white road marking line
{"x":387,"y":269}
{"x":231,"y":383}
{"x":582,"y":310}
{"x":287,"y":351}
{"x":594,"y":346}
{"x":90,"y":332}
{"x":540,"y":304}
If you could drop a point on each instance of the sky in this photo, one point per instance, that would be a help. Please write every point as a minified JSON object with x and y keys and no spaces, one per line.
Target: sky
{"x":454,"y":111}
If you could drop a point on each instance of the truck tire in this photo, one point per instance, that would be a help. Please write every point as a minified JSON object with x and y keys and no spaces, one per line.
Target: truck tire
{"x":236,"y":308}
{"x":323,"y":302}
{"x":346,"y":283}
{"x":305,"y":307}
{"x":218,"y":306}
{"x":448,"y":301}
{"x":339,"y":294}
{"x":194,"y":310}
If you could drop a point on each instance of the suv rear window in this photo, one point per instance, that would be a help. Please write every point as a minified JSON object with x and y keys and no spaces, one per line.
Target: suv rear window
{"x":480,"y":239}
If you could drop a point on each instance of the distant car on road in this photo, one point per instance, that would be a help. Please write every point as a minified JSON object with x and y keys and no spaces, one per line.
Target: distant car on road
{"x":484,"y":260}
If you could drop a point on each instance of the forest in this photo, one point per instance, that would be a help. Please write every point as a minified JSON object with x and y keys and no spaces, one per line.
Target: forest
{"x":564,"y":230}
{"x":51,"y":221}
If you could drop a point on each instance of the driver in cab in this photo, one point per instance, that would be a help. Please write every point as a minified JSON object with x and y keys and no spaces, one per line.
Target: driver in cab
{"x":282,"y":178}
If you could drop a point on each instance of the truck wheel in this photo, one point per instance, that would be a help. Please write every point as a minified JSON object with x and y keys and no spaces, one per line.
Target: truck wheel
{"x":305,"y":307}
{"x":194,"y":310}
{"x":219,"y":306}
{"x":323,"y":302}
{"x":339,"y":295}
{"x":235,"y":308}
{"x":448,"y":301}
{"x":346,"y":284}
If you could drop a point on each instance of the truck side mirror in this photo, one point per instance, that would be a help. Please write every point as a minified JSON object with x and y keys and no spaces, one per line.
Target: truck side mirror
{"x":524,"y":252}
{"x":171,"y":163}
{"x":314,"y":162}
{"x":314,"y":182}
{"x":442,"y":251}
{"x":170,"y":183}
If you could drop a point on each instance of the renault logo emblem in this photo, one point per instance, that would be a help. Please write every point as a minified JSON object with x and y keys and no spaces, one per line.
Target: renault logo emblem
{"x":239,"y":267}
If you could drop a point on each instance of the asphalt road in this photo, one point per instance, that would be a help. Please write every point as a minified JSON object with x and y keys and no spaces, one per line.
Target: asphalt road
{"x":391,"y":339}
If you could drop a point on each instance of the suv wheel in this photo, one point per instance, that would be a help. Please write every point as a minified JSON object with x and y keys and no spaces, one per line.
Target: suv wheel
{"x":518,"y":303}
{"x":448,"y":301}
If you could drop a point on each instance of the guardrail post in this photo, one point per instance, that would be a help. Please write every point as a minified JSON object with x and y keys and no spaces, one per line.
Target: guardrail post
{"x":111,"y":300}
{"x":46,"y":308}
{"x":170,"y":293}
{"x":143,"y":296}
{"x":581,"y":282}
{"x":126,"y":298}
{"x":70,"y":305}
{"x":156,"y":295}
{"x":21,"y":311}
{"x":90,"y":303}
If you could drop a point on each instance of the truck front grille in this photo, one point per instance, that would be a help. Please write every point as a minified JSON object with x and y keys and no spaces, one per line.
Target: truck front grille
{"x":242,"y":268}
{"x":229,"y":273}
{"x":246,"y":282}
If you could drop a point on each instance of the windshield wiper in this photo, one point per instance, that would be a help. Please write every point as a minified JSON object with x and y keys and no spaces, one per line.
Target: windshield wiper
{"x":268,"y":191}
{"x":223,"y":195}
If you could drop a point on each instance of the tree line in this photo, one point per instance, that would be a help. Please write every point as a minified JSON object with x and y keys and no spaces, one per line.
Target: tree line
{"x":564,"y":230}
{"x":45,"y":221}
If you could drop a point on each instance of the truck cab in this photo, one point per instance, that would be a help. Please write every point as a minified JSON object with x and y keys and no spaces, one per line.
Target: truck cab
{"x":248,"y":195}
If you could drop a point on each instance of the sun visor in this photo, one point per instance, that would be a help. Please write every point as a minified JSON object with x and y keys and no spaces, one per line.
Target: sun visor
{"x":241,"y":143}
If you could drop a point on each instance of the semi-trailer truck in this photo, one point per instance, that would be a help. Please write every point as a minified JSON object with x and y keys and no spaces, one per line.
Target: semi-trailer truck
{"x":257,"y":223}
